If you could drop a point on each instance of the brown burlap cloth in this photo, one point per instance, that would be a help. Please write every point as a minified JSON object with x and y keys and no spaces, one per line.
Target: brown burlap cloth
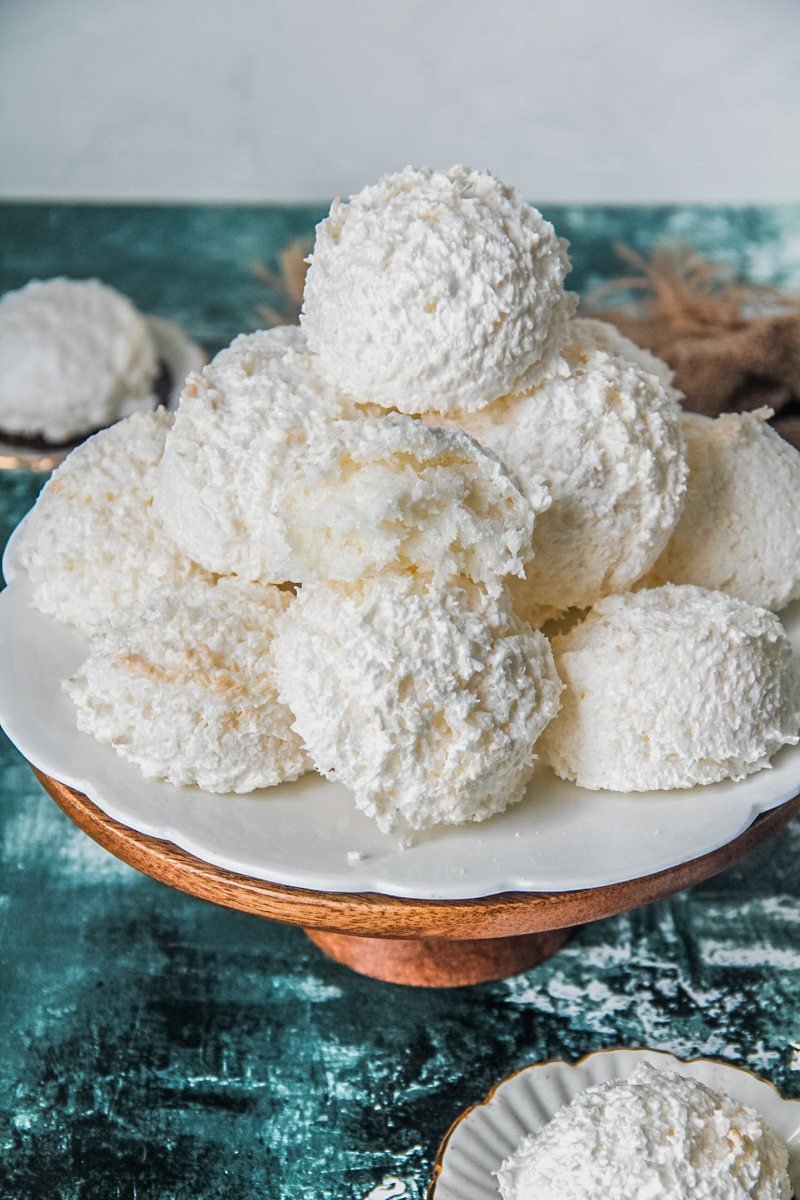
{"x":733,"y":346}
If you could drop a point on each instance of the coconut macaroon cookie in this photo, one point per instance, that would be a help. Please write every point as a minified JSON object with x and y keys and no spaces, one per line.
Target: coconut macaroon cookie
{"x":604,"y":434}
{"x":264,"y":476}
{"x":186,"y":690}
{"x":671,"y":687}
{"x":740,"y":527}
{"x":393,"y":492}
{"x":241,"y":433}
{"x":656,"y":1134}
{"x":75,"y":356}
{"x":426,"y":700}
{"x":93,"y":544}
{"x":436,"y":290}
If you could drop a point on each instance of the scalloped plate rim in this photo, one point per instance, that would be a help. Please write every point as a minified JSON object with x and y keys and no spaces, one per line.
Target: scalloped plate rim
{"x":430,"y":870}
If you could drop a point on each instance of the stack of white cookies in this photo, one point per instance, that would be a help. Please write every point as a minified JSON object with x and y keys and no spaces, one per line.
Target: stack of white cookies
{"x":341,"y":553}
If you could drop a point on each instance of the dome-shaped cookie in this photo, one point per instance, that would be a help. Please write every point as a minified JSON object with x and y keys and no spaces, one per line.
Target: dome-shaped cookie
{"x":436,"y":290}
{"x":671,"y":687}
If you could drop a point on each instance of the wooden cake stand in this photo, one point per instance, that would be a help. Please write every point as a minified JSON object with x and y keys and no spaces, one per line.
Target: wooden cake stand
{"x":428,"y":943}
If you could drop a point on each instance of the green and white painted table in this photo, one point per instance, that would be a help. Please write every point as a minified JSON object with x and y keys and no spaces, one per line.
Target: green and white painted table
{"x":153,"y":1047}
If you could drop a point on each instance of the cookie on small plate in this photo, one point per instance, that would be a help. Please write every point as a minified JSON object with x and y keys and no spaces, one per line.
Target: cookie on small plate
{"x":76,"y":356}
{"x":484,"y":1142}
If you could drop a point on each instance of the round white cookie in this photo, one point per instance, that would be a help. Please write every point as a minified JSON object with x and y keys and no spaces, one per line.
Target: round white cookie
{"x":425,"y":700}
{"x":75,"y":356}
{"x":740,"y":526}
{"x":436,"y":290}
{"x":384,"y":492}
{"x":266,"y":477}
{"x":92,"y":543}
{"x":656,"y":1134}
{"x":604,"y":435}
{"x":671,"y":687}
{"x":241,"y":433}
{"x":186,"y":690}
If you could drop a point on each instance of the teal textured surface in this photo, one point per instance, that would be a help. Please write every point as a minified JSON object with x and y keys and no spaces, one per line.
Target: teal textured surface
{"x":154,"y":1046}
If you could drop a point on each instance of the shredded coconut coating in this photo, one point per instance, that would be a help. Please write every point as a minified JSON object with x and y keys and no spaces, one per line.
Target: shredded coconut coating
{"x":426,"y":700}
{"x":435,"y":291}
{"x":93,"y":543}
{"x":671,"y":687}
{"x":250,"y":351}
{"x":389,"y":492}
{"x":240,"y":436}
{"x":75,"y":356}
{"x":604,"y":435}
{"x":268,"y":474}
{"x":740,"y":527}
{"x":187,"y":692}
{"x":655,"y":1136}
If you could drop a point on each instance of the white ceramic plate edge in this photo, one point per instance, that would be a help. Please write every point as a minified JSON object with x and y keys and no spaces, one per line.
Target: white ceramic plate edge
{"x":453,"y":864}
{"x":488,"y":1132}
{"x":178,"y":352}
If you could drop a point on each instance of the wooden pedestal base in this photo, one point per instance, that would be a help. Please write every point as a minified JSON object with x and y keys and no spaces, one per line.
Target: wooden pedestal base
{"x":435,"y":962}
{"x":428,"y":943}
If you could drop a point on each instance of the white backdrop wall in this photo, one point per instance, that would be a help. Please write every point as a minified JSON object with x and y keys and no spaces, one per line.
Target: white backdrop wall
{"x":577,"y":100}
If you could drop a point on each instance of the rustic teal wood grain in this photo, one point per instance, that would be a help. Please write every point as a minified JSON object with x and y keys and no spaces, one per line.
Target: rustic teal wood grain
{"x":153,"y":1047}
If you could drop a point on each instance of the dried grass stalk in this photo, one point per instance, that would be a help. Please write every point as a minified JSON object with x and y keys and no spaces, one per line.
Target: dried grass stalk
{"x":286,"y":283}
{"x":733,"y":346}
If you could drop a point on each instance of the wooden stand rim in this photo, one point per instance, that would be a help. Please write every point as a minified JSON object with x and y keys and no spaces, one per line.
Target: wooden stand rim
{"x":372,"y":915}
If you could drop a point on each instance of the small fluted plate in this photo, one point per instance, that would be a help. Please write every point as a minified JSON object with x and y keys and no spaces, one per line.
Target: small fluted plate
{"x":175,"y":350}
{"x":486,"y":1134}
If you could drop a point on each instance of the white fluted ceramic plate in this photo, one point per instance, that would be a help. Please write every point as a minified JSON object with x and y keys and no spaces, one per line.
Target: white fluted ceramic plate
{"x":309,"y":834}
{"x":485,"y":1135}
{"x":174,"y":348}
